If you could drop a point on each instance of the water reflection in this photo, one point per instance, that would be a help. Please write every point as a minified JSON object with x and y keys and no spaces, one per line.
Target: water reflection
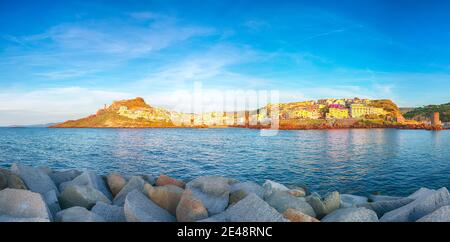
{"x":357,"y":161}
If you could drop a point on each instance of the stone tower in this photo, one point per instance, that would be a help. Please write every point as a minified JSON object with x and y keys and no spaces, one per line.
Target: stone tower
{"x":435,"y":121}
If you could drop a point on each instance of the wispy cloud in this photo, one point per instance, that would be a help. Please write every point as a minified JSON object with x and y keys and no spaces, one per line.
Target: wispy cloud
{"x":96,"y":45}
{"x":332,"y":32}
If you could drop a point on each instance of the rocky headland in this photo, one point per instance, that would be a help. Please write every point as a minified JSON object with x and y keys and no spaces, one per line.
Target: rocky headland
{"x":29,"y":194}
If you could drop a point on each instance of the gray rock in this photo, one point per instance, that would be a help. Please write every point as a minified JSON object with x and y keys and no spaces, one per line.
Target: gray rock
{"x":325,"y":206}
{"x":384,"y":206}
{"x":250,"y":209}
{"x":59,"y":177}
{"x":82,"y":196}
{"x":213,"y":191}
{"x":10,"y":180}
{"x":422,"y":192}
{"x":89,"y":178}
{"x":351,"y":215}
{"x":110,"y":213}
{"x":425,"y":203}
{"x":379,"y":198}
{"x":348,"y":200}
{"x":23,"y":204}
{"x":282,"y":200}
{"x":115,"y":182}
{"x":248,"y":187}
{"x":440,"y":215}
{"x":138,"y":208}
{"x":135,"y":182}
{"x":78,"y":214}
{"x":51,"y":199}
{"x":9,"y":219}
{"x":241,"y":190}
{"x":271,"y":186}
{"x":35,"y":179}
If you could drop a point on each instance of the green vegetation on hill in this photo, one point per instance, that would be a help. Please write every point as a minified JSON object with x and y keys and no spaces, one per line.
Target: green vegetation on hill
{"x":387,"y":105}
{"x":424,"y":113}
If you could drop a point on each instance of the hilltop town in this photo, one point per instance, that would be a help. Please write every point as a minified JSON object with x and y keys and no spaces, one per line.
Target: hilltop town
{"x":313,"y":114}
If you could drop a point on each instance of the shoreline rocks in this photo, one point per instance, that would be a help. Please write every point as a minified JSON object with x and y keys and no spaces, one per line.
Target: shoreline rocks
{"x":30,"y":194}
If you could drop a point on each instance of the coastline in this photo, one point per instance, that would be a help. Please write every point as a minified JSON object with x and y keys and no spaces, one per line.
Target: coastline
{"x":84,"y":196}
{"x":331,"y":127}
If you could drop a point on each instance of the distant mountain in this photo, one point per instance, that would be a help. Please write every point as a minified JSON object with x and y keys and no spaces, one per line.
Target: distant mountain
{"x":425,"y":113}
{"x":133,"y":113}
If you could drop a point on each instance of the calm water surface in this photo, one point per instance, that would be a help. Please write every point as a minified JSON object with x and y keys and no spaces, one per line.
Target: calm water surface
{"x":393,"y":162}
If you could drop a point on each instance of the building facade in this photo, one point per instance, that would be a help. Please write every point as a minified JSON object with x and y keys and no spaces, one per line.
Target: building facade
{"x":361,"y":110}
{"x":337,"y":113}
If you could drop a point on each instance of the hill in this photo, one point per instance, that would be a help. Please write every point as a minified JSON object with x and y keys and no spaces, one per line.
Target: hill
{"x":424,"y":113}
{"x":133,"y":113}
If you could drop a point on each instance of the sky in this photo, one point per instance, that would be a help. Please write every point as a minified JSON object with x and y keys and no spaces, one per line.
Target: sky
{"x":64,"y":60}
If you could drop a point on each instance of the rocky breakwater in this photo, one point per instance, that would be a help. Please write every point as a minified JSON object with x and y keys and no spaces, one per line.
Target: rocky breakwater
{"x":29,"y":194}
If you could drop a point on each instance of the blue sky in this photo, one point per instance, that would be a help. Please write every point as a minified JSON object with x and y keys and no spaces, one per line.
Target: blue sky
{"x":64,"y":59}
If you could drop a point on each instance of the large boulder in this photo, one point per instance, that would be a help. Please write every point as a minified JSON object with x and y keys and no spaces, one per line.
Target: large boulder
{"x":422,"y":192}
{"x":115,"y":182}
{"x":424,"y":204}
{"x":242,"y":189}
{"x":10,"y":180}
{"x":23,"y":204}
{"x":322,"y":207}
{"x":35,"y":179}
{"x":294,"y":215}
{"x":282,"y":200}
{"x":348,"y":200}
{"x":250,"y":209}
{"x":135,"y":182}
{"x":78,"y":214}
{"x":82,"y":196}
{"x":190,"y":209}
{"x":440,"y":215}
{"x":213,"y":191}
{"x":138,"y":208}
{"x":110,"y":213}
{"x":167,"y":197}
{"x":384,"y":206}
{"x":351,"y":214}
{"x":271,"y":186}
{"x":89,"y":178}
{"x":59,"y":177}
{"x":167,"y":180}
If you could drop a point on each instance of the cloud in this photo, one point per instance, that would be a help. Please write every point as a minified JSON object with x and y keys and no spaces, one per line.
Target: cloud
{"x":68,"y":49}
{"x":211,"y":66}
{"x":331,"y":32}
